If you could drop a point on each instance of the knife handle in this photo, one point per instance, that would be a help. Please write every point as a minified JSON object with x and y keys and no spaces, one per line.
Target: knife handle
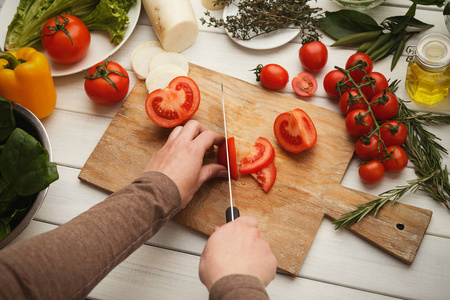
{"x":235,"y":213}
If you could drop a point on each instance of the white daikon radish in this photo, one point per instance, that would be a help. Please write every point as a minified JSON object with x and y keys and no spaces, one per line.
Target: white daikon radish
{"x":141,"y":60}
{"x":147,"y":44}
{"x":161,"y":79}
{"x":209,"y":4}
{"x":169,"y":58}
{"x":174,"y":23}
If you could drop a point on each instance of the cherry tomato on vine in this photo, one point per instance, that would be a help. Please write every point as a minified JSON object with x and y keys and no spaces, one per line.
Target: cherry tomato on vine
{"x":272,"y":76}
{"x":358,"y":74}
{"x":175,"y":104}
{"x":380,"y":84}
{"x":398,"y":160}
{"x":346,"y":104}
{"x":65,"y":39}
{"x":295,"y":131}
{"x":313,"y":56}
{"x":330,"y":81}
{"x":384,"y":106}
{"x":358,"y":122}
{"x":393,"y":133}
{"x":304,"y":84}
{"x":367,"y":148}
{"x":371,"y":172}
{"x":222,"y":157}
{"x":260,"y":156}
{"x":107,"y":83}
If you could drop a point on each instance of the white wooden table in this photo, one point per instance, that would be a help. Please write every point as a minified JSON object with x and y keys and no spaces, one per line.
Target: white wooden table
{"x":339,"y":264}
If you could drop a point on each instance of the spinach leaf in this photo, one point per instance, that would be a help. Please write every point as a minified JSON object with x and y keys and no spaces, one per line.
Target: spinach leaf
{"x":7,"y":195}
{"x":7,"y":121}
{"x":25,"y":164}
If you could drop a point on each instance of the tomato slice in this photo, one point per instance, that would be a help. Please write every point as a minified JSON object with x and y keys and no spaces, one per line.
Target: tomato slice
{"x":260,"y":156}
{"x":222,"y":157}
{"x":175,"y":104}
{"x":304,"y":84}
{"x":295,"y":131}
{"x":266,"y":177}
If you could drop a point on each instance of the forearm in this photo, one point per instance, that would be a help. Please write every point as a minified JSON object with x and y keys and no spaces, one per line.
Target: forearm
{"x":238,"y":287}
{"x":69,"y":261}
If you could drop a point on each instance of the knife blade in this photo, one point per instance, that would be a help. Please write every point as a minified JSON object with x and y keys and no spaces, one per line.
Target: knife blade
{"x":232,"y":212}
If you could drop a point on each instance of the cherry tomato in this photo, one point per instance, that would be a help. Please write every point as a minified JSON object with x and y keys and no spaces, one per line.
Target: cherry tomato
{"x":65,"y":39}
{"x":358,"y":122}
{"x":313,"y":56}
{"x":397,"y":162}
{"x":295,"y":131}
{"x":222,"y":157}
{"x":266,"y":177}
{"x":381,"y":84}
{"x":330,"y":81}
{"x":304,"y":84}
{"x":107,"y":82}
{"x":175,"y":104}
{"x":260,"y":156}
{"x":273,"y":77}
{"x":384,"y":106}
{"x":371,"y":172}
{"x":347,"y":104}
{"x":393,"y":133}
{"x":368,"y":149}
{"x":358,"y":74}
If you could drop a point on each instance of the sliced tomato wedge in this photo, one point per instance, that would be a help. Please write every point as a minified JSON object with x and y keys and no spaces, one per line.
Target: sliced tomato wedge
{"x":222,"y":157}
{"x":175,"y":104}
{"x":266,"y":177}
{"x":260,"y":156}
{"x":304,"y":84}
{"x":295,"y":131}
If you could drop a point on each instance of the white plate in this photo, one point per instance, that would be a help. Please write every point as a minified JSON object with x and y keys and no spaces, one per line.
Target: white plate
{"x":265,"y":41}
{"x":99,"y":49}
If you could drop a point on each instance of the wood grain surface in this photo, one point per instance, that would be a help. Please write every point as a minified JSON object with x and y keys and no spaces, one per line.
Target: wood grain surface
{"x":307,"y":186}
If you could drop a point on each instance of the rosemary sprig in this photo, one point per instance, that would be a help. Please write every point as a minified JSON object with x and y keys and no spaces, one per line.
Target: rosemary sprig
{"x":256,"y":17}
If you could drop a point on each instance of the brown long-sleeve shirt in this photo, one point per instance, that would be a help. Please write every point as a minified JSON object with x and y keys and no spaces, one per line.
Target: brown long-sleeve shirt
{"x":68,"y":262}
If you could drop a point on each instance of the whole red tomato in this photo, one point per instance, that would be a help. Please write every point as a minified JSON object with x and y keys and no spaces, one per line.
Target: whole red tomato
{"x":313,"y":56}
{"x":330,"y":82}
{"x":65,"y":39}
{"x":371,"y":172}
{"x":358,"y":74}
{"x":368,"y":148}
{"x":384,"y":106}
{"x":393,"y":133}
{"x":397,"y":160}
{"x":380,"y":84}
{"x":273,"y":77}
{"x":350,"y":100}
{"x":107,"y":83}
{"x":358,"y":122}
{"x":304,"y":84}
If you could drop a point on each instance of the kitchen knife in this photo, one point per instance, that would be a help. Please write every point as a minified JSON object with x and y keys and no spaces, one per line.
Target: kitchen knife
{"x":232,"y":212}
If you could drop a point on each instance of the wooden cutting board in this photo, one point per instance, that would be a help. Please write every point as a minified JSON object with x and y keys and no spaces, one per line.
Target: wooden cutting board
{"x":307,"y":185}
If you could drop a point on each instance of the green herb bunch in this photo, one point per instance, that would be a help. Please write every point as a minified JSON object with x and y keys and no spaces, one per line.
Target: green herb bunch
{"x":422,"y":148}
{"x":257,"y":17}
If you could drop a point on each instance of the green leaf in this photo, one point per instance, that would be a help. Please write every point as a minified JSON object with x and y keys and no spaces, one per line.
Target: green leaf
{"x":25,"y":164}
{"x":438,"y":3}
{"x":344,"y":22}
{"x":7,"y":195}
{"x":412,"y":22}
{"x":7,"y":121}
{"x":447,"y":9}
{"x":356,"y":38}
{"x":5,"y":229}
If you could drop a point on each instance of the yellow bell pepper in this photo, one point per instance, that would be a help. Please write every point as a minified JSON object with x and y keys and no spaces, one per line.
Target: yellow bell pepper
{"x":25,"y":78}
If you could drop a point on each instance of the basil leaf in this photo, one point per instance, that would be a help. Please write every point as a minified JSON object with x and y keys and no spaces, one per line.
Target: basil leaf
{"x":412,"y":22}
{"x":25,"y":164}
{"x":7,"y":121}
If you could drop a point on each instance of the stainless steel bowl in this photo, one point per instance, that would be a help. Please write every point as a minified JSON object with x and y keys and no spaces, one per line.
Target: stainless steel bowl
{"x":26,"y":120}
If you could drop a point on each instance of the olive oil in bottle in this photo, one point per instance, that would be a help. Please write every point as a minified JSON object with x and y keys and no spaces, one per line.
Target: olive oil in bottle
{"x":428,"y":73}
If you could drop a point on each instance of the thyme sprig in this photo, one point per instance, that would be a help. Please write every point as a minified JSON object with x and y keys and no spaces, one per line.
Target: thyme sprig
{"x":257,"y":17}
{"x":423,"y":150}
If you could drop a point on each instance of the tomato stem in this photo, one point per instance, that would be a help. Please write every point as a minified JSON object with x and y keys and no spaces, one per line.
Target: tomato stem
{"x":101,"y":71}
{"x":60,"y":27}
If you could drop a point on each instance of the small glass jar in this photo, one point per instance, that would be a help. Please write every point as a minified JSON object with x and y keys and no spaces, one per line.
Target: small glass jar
{"x":428,"y":73}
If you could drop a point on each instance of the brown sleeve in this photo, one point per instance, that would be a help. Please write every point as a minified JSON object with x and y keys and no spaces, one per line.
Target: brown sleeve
{"x":68,"y":262}
{"x":238,"y":287}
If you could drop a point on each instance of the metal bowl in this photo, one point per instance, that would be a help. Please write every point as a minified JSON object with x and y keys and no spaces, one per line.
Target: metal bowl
{"x":26,"y":120}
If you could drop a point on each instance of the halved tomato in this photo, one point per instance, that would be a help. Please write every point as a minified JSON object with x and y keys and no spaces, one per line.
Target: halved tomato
{"x":304,"y":84}
{"x":222,"y":157}
{"x":266,"y":177}
{"x":175,"y":104}
{"x":260,"y":156}
{"x":295,"y":131}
